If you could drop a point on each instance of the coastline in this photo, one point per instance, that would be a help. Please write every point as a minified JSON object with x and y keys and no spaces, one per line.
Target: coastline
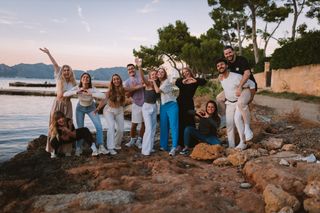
{"x":131,"y":182}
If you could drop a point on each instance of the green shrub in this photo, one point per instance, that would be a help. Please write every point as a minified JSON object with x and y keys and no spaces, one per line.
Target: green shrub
{"x":302,"y":51}
{"x":212,"y":88}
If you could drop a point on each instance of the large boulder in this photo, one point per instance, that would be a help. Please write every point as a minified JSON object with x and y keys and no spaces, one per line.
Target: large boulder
{"x":203,"y":151}
{"x":276,"y":199}
{"x":272,"y":143}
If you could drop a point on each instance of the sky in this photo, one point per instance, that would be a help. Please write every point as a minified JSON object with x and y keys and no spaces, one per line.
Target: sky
{"x":90,"y":34}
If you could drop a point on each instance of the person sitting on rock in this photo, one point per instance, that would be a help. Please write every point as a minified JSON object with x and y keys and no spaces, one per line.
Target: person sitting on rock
{"x":208,"y":125}
{"x":62,"y":132}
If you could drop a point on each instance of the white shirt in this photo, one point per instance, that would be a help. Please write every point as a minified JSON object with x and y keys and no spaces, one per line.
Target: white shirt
{"x":85,"y":99}
{"x":230,"y":85}
{"x":166,"y":92}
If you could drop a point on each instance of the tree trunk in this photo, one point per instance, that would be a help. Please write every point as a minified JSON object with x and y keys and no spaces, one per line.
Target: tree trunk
{"x":295,"y":19}
{"x":254,"y":33}
{"x":239,"y":37}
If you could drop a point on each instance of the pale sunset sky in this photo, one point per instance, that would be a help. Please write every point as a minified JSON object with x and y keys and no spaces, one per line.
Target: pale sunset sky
{"x":89,"y":34}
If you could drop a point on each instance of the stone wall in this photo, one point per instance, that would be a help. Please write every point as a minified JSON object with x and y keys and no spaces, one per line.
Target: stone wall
{"x":301,"y":80}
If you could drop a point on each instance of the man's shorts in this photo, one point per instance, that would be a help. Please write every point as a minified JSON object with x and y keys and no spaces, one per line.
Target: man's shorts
{"x":136,"y":114}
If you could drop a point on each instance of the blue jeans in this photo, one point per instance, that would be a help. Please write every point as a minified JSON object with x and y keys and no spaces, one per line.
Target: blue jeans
{"x":191,"y":133}
{"x":169,"y":120}
{"x":80,"y":113}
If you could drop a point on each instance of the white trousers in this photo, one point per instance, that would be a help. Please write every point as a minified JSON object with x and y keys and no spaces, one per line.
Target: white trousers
{"x":115,"y":123}
{"x":234,"y":118}
{"x":242,"y":104}
{"x":149,"y":112}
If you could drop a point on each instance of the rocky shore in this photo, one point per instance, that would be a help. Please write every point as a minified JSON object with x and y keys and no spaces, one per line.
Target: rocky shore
{"x":279,"y":172}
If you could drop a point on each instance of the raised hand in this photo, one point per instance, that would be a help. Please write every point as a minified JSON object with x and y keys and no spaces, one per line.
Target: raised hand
{"x":138,"y":62}
{"x":45,"y":50}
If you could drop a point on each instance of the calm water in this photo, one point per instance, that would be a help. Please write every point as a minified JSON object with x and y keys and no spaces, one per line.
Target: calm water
{"x":23,"y":118}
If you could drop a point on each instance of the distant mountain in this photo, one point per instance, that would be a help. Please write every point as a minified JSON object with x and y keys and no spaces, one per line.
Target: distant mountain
{"x":44,"y":71}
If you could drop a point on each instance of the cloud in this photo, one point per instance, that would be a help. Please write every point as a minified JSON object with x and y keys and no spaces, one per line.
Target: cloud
{"x":9,"y":18}
{"x":59,"y":21}
{"x":83,"y":20}
{"x":148,"y":8}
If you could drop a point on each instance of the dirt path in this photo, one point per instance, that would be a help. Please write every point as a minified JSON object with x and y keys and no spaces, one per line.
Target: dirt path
{"x":308,"y":111}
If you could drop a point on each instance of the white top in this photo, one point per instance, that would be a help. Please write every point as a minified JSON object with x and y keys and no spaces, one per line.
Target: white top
{"x":230,"y":85}
{"x":66,"y":85}
{"x":85,"y":99}
{"x":166,"y":92}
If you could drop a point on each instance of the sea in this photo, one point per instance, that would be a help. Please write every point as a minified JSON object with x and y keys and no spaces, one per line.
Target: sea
{"x":24,"y":118}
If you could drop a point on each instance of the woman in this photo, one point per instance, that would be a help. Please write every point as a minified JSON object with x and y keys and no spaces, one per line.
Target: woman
{"x":208,"y":125}
{"x":187,"y":88}
{"x":65,"y":80}
{"x":87,"y":105}
{"x":62,"y":131}
{"x":113,"y":113}
{"x":149,"y":109}
{"x":168,"y":112}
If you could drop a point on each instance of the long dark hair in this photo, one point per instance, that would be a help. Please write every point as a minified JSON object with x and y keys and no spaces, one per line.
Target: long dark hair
{"x":215,"y":115}
{"x":90,"y":83}
{"x":115,"y":92}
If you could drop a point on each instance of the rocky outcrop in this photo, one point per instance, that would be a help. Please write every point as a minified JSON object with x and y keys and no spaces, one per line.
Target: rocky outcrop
{"x":276,"y":199}
{"x":203,"y":151}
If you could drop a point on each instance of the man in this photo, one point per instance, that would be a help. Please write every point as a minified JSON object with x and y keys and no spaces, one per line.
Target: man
{"x":237,"y":109}
{"x":240,"y":65}
{"x":134,"y":88}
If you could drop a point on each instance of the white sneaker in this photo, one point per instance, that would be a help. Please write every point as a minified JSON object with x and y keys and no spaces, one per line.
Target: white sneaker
{"x":118,"y":147}
{"x":139,"y":143}
{"x":248,"y":134}
{"x":112,"y":151}
{"x":131,"y":142}
{"x":94,"y":150}
{"x":102,"y":150}
{"x":53,"y":154}
{"x":241,"y":146}
{"x":172,"y":152}
{"x":78,"y":152}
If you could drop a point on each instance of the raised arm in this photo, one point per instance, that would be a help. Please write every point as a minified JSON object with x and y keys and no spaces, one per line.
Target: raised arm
{"x":55,"y":64}
{"x":139,"y":64}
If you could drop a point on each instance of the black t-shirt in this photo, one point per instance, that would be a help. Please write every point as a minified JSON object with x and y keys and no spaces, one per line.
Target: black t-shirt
{"x":239,"y":66}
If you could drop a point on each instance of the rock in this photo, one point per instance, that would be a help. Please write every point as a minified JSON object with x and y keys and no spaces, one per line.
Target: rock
{"x":245,"y":185}
{"x":289,"y":147}
{"x":286,"y":209}
{"x":268,"y":171}
{"x":237,"y":159}
{"x":310,"y":158}
{"x":223,"y":161}
{"x":203,"y":151}
{"x":272,"y":143}
{"x":84,"y":200}
{"x":313,"y":189}
{"x":312,"y":205}
{"x":276,"y":199}
{"x":263,"y":152}
{"x":284,"y":162}
{"x":272,"y":152}
{"x":252,"y":153}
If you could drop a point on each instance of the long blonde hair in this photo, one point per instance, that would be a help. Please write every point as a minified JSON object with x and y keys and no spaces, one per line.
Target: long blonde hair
{"x":115,"y":92}
{"x":62,"y":80}
{"x":54,"y":124}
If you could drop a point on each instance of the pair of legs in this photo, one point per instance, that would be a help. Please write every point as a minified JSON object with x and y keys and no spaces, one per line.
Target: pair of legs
{"x":115,"y":122}
{"x":81,"y":133}
{"x":242,"y":104}
{"x":81,"y":111}
{"x":64,"y":106}
{"x":185,"y":119}
{"x":169,"y":120}
{"x":136,"y":118}
{"x":149,"y":112}
{"x":191,"y":134}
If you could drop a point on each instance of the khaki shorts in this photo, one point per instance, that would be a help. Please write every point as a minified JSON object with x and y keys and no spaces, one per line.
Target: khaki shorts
{"x":136,"y":114}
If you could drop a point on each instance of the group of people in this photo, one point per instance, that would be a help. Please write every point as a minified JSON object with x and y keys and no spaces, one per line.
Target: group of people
{"x":177,"y":115}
